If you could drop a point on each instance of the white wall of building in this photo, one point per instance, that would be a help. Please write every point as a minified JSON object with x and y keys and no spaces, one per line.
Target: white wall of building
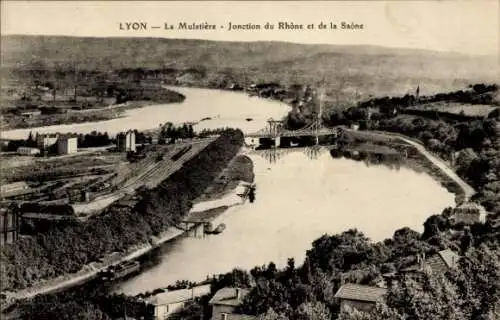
{"x":163,"y":311}
{"x":67,"y":145}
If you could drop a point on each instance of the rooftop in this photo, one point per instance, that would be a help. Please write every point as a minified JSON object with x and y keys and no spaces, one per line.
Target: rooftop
{"x":48,"y":135}
{"x":359,"y":292}
{"x":229,"y":296}
{"x":176,"y":296}
{"x":471,"y":207}
{"x":236,"y":316}
{"x":449,"y":257}
{"x":68,"y":136}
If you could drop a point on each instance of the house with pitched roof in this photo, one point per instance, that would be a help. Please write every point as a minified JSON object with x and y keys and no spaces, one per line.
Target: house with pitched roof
{"x":359,"y":297}
{"x":469,"y":213}
{"x":439,"y":262}
{"x":442,"y":261}
{"x":169,"y":302}
{"x":224,"y":303}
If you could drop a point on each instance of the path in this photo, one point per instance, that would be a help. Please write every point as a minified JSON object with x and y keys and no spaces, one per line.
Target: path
{"x":467,"y":189}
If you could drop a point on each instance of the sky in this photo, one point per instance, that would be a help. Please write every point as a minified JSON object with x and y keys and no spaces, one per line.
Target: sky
{"x":464,"y":26}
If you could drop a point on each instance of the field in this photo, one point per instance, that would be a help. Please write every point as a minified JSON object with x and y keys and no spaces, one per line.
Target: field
{"x":25,"y":103}
{"x":468,"y":110}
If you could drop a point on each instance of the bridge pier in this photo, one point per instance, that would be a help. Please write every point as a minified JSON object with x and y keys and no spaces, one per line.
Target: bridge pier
{"x":277,"y":141}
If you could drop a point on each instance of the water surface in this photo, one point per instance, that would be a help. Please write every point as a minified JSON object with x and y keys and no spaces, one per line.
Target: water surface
{"x":297,"y":201}
{"x":225,"y":108}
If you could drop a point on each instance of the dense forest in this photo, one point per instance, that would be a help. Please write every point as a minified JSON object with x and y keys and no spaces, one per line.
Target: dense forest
{"x":68,"y":246}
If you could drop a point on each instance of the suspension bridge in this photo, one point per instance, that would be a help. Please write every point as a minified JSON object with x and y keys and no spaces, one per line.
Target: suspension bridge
{"x":275,"y":129}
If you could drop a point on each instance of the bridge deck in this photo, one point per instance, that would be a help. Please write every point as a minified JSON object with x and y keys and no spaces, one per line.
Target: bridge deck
{"x":292,"y":134}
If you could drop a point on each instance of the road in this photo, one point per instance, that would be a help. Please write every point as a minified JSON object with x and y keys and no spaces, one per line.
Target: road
{"x":467,"y":189}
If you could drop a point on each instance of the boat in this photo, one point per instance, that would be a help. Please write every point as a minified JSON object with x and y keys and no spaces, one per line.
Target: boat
{"x":120,"y":270}
{"x":248,"y":119}
{"x":205,"y":119}
{"x":221,"y":227}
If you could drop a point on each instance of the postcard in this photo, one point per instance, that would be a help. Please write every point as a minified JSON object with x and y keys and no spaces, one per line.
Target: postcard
{"x":271,"y":160}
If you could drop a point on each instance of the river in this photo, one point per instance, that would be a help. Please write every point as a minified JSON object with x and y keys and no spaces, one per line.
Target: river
{"x":225,"y":108}
{"x":297,"y":199}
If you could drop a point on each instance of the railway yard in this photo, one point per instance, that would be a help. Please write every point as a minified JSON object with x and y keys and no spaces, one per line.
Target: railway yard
{"x":87,"y":182}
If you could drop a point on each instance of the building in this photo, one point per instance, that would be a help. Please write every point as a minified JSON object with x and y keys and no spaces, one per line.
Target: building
{"x":4,"y":142}
{"x":31,"y":114}
{"x":67,"y":144}
{"x":171,"y":301}
{"x":242,"y":189}
{"x":359,"y":297}
{"x":224,"y":303}
{"x":27,"y":151}
{"x":126,"y":141}
{"x":440,"y":262}
{"x":9,"y":226}
{"x":45,"y":141}
{"x":469,"y":213}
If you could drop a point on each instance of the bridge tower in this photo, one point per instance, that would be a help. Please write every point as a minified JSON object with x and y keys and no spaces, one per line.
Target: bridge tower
{"x":317,"y":122}
{"x":274,"y":127}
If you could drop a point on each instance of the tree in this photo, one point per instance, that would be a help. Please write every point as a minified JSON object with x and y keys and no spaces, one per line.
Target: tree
{"x":380,"y":312}
{"x":432,"y":226}
{"x":272,"y":315}
{"x":312,"y":311}
{"x":478,"y":279}
{"x":432,"y":298}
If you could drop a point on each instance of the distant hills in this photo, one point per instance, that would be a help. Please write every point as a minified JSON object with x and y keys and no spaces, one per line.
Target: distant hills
{"x":366,"y":69}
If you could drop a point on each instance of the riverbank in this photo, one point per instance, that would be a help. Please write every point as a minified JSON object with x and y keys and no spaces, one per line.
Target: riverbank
{"x":67,"y":114}
{"x":433,"y":165}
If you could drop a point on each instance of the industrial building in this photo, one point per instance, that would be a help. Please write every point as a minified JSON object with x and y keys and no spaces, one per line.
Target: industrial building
{"x":9,"y":226}
{"x":126,"y":141}
{"x":67,"y":144}
{"x":27,"y":151}
{"x":45,"y":141}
